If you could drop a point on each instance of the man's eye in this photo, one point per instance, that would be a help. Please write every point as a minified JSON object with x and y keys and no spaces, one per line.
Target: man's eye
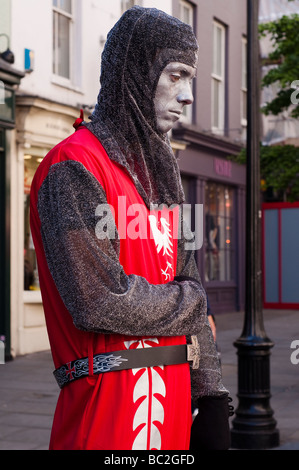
{"x":175,"y":77}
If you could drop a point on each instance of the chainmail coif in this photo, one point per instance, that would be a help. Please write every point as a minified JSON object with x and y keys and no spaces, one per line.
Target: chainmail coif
{"x":138,"y":48}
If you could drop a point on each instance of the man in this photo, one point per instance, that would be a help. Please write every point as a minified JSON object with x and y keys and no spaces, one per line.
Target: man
{"x":120,"y":291}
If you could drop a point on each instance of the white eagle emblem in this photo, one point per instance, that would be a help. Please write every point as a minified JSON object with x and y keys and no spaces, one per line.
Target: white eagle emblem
{"x":162,"y":237}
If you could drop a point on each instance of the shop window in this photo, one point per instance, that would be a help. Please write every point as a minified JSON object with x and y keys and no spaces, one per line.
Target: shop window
{"x":31,"y":281}
{"x":219,"y":233}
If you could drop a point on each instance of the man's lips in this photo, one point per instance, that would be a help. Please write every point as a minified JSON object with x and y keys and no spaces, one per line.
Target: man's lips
{"x":177,"y":112}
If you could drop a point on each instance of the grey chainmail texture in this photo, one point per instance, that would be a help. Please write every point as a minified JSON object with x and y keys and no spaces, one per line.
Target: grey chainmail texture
{"x":92,"y":283}
{"x":138,"y":48}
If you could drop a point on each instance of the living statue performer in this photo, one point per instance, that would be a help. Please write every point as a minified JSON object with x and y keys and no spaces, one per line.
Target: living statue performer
{"x":121,"y":293}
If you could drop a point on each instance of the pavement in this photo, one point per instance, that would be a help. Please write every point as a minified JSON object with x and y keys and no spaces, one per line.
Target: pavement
{"x":28,"y":391}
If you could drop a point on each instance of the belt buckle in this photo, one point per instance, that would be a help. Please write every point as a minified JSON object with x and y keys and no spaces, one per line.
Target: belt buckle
{"x":193,"y":352}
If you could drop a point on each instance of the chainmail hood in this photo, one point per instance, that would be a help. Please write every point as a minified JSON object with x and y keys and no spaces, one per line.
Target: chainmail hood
{"x":138,"y":48}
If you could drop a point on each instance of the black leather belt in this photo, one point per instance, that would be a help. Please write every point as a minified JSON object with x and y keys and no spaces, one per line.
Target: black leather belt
{"x":129,"y":359}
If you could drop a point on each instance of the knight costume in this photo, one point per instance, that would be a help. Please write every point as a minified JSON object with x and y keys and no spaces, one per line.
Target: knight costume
{"x":116,"y":280}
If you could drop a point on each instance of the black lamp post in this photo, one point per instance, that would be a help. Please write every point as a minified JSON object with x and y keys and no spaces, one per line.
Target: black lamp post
{"x":253,"y":426}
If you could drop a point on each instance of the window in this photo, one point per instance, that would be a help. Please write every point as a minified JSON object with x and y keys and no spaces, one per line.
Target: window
{"x":244,"y":84}
{"x":187,"y":16}
{"x":126,"y":4}
{"x":31,"y":281}
{"x":62,"y":34}
{"x":186,"y":12}
{"x":218,"y":78}
{"x":219,"y":233}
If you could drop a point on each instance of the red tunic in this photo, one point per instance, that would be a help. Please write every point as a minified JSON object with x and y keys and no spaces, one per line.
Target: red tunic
{"x":147,"y":408}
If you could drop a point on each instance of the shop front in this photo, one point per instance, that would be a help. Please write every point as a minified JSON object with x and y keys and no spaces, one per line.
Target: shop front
{"x":10,"y":78}
{"x":40,"y":125}
{"x":219,"y":184}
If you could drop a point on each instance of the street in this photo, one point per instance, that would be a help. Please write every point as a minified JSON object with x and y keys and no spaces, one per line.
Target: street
{"x":28,"y":391}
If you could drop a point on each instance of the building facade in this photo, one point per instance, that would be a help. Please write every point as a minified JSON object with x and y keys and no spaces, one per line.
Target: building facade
{"x":55,"y":74}
{"x":213,"y":131}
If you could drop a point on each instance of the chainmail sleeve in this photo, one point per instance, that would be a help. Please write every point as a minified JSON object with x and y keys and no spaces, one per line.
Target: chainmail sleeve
{"x":207,"y":380}
{"x":88,"y":275}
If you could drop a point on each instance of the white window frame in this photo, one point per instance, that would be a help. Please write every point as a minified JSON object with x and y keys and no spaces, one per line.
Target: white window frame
{"x":244,"y":83}
{"x":187,"y":6}
{"x":218,"y":77}
{"x":126,"y":4}
{"x":65,"y":81}
{"x":184,"y":5}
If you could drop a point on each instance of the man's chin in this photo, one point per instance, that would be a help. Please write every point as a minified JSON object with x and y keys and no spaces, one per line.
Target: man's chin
{"x":165,"y":127}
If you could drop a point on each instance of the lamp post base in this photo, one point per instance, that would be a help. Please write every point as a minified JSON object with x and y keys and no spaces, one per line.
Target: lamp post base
{"x":254,"y":426}
{"x":254,"y":440}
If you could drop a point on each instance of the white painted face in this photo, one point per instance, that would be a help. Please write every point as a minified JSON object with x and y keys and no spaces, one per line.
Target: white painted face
{"x":174,"y":91}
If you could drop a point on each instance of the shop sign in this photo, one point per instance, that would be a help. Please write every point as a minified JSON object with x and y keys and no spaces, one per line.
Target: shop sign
{"x":223,"y":167}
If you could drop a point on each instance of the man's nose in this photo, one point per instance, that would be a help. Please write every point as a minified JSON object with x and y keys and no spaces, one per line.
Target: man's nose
{"x":186,"y":96}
